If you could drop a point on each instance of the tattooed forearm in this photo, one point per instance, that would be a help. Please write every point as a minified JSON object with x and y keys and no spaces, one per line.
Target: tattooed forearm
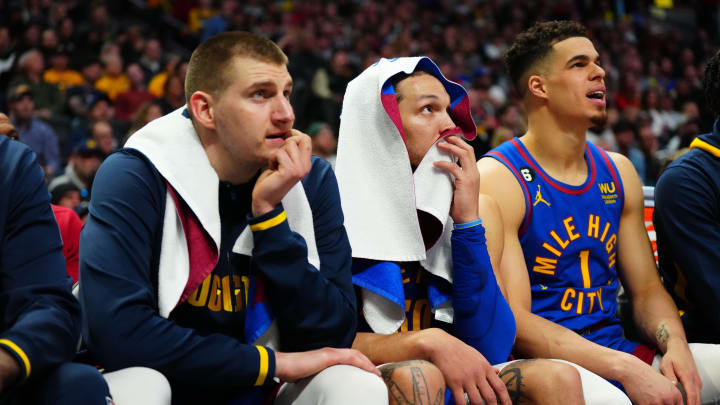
{"x":513,"y":379}
{"x":417,"y":391}
{"x":662,"y":334}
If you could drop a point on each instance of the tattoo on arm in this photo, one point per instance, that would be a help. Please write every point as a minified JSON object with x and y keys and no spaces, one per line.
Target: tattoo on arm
{"x":662,"y":334}
{"x":420,"y":394}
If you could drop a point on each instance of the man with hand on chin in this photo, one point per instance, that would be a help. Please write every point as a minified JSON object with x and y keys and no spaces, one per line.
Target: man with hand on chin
{"x":215,"y":251}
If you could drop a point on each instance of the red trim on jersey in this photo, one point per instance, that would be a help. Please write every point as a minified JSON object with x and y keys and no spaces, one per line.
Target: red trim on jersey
{"x":528,"y":210}
{"x":550,"y":181}
{"x":611,"y":167}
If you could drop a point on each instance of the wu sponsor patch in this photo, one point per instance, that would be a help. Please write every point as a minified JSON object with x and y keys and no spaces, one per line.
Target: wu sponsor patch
{"x":608,"y":191}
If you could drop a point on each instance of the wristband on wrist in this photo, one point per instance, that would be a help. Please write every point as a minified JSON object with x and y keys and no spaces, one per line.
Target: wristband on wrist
{"x":466,"y":225}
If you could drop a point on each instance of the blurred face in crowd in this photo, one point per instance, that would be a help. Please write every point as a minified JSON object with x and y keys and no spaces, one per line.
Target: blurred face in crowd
{"x":324,"y":142}
{"x":135,"y":74}
{"x":86,"y":166}
{"x":648,"y":142}
{"x":253,"y":115}
{"x":23,"y":108}
{"x":92,"y":72}
{"x":153,"y":112}
{"x":101,"y":111}
{"x":34,"y":63}
{"x":103,"y":137}
{"x":153,"y":50}
{"x":174,"y":88}
{"x":71,"y":199}
{"x":574,"y":83}
{"x":113,"y":65}
{"x":625,"y":138}
{"x":423,"y":103}
{"x":59,"y":62}
{"x":67,"y":28}
{"x":4,"y":38}
{"x":49,"y":39}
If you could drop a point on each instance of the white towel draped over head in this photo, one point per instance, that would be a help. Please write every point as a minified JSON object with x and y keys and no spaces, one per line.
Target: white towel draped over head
{"x":380,"y":194}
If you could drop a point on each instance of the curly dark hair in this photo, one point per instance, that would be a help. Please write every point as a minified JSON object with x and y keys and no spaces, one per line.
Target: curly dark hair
{"x":711,"y":83}
{"x":535,"y":44}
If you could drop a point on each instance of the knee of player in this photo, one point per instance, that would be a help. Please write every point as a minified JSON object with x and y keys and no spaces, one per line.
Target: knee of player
{"x":349,"y":385}
{"x":543,"y":379}
{"x":563,"y":376}
{"x":408,"y":376}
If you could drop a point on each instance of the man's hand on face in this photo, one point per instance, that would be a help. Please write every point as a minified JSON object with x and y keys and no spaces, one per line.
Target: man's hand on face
{"x":294,"y":366}
{"x":467,"y":179}
{"x":466,"y":371}
{"x":290,"y":164}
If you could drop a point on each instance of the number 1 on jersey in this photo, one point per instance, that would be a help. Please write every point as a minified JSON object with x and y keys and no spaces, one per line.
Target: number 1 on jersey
{"x":585,"y":267}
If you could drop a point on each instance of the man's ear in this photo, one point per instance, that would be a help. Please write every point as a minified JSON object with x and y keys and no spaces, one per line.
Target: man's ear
{"x":536,"y":86}
{"x":201,"y":105}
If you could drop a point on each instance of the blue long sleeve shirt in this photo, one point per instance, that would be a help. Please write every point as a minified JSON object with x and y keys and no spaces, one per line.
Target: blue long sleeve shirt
{"x":39,"y":317}
{"x":119,"y":256}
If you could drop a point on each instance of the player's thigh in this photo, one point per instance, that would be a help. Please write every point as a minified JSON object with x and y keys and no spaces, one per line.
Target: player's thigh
{"x":413,"y":382}
{"x":341,"y":384}
{"x":138,"y":386}
{"x":535,"y":377}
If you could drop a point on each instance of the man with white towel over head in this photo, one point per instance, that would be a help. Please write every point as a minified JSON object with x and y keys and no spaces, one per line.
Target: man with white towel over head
{"x":425,"y":245}
{"x":215,"y":251}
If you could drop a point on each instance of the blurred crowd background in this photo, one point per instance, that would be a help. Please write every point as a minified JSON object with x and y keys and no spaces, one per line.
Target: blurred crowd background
{"x":78,"y":77}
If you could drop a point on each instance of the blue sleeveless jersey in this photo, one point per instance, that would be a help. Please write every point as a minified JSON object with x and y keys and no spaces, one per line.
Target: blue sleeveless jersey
{"x":569,"y":240}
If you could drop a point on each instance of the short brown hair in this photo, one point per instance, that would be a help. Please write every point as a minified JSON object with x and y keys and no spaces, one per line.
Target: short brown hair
{"x":533,"y":45}
{"x":210,"y":63}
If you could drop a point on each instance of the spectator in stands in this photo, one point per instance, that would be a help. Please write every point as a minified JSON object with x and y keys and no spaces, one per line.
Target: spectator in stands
{"x":40,"y":317}
{"x":70,"y":226}
{"x":156,"y":86}
{"x":221,"y":21}
{"x":102,"y":137}
{"x":66,"y":195}
{"x":128,"y":102}
{"x":625,"y":144}
{"x":80,"y":96}
{"x":48,"y":97}
{"x":151,"y":59}
{"x":212,"y":175}
{"x":38,"y":135}
{"x":324,"y":142}
{"x":687,"y":222}
{"x":173,"y":94}
{"x":648,"y":145}
{"x":113,"y":81}
{"x":81,"y":168}
{"x":48,"y":42}
{"x":59,"y":73}
{"x":198,"y":14}
{"x":146,"y":113}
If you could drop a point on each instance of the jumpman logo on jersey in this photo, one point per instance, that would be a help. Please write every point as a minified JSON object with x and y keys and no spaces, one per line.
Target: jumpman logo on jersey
{"x":539,"y":198}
